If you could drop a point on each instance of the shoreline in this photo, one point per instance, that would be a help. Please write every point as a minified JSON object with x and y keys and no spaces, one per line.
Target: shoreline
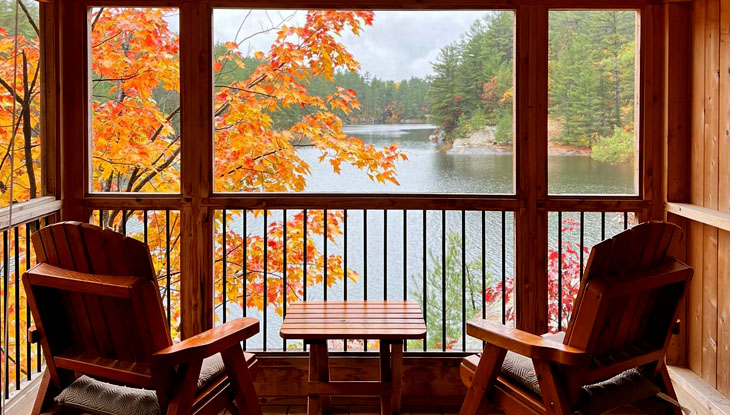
{"x":553,"y":149}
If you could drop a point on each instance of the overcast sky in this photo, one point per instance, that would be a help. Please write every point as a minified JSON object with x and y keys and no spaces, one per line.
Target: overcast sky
{"x":398,"y":46}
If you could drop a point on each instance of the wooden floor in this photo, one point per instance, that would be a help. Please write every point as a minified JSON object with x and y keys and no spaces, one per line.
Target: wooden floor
{"x":375,"y":410}
{"x":358,"y":410}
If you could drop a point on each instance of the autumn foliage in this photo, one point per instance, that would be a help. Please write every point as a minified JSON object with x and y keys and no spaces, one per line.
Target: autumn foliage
{"x":136,"y":140}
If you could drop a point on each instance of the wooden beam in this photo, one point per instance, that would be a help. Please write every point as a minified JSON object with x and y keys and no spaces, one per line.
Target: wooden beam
{"x":531,"y":162}
{"x":651,"y":52}
{"x":385,"y":4}
{"x":73,"y":92}
{"x":50,"y":109}
{"x":196,"y":73}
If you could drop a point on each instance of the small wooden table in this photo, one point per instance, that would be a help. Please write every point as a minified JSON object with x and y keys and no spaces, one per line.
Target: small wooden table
{"x":390,"y":322}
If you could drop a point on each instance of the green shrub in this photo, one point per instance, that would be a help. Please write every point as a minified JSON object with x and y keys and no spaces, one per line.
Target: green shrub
{"x":505,"y":129}
{"x":617,"y":148}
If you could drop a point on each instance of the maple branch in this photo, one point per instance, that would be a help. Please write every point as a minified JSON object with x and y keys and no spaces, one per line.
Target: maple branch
{"x":167,"y":119}
{"x":30,"y":18}
{"x":10,"y":90}
{"x":246,"y":90}
{"x":96,"y":18}
{"x":157,"y":170}
{"x":107,"y":39}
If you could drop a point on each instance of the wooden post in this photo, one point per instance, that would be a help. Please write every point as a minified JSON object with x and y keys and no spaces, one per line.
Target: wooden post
{"x":196,"y":74}
{"x":74,"y":109}
{"x":531,"y":162}
{"x":676,"y":139}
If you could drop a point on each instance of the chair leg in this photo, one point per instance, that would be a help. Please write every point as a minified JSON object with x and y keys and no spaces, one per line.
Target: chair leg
{"x":238,"y":374}
{"x":666,"y":385}
{"x":181,"y":400}
{"x":484,"y":378}
{"x":46,"y":392}
{"x":553,"y":393}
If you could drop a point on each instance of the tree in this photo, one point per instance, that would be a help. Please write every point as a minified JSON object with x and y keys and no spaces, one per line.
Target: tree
{"x":264,"y":112}
{"x":20,"y":139}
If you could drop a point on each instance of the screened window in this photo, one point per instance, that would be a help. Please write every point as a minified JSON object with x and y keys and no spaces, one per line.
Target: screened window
{"x":362,"y":101}
{"x":592,"y":127}
{"x":135,"y":100}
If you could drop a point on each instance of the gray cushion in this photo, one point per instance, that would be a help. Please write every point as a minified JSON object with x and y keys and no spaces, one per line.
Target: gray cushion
{"x":623,"y":389}
{"x":103,"y":398}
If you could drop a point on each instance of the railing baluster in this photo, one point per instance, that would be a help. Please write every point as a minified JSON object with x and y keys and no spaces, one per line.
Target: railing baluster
{"x":385,"y":254}
{"x":344,"y":259}
{"x":167,"y":266}
{"x":424,"y":285}
{"x":144,"y":215}
{"x":626,"y":220}
{"x":28,"y":357}
{"x":560,"y":271}
{"x":304,"y":265}
{"x":266,"y":272}
{"x":17,"y":310}
{"x":284,"y":270}
{"x":124,"y":222}
{"x":504,"y":267}
{"x":6,"y":330}
{"x":582,"y":240}
{"x":344,"y":265}
{"x":484,"y":266}
{"x":244,"y":273}
{"x":463,"y":280}
{"x":365,"y":264}
{"x":325,"y":279}
{"x":405,"y":264}
{"x":603,"y":225}
{"x":224,"y":264}
{"x":38,"y":353}
{"x":443,"y":280}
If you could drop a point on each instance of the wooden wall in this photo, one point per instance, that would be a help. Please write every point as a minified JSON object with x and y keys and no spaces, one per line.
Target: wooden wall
{"x":708,"y":242}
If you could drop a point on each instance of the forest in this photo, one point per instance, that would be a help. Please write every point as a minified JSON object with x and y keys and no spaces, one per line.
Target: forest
{"x":592,"y":62}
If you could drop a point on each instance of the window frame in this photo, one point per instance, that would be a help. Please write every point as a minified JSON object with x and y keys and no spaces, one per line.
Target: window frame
{"x":197,"y":201}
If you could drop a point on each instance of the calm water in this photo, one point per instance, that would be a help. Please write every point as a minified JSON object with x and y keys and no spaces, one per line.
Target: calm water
{"x":460,"y":171}
{"x":430,"y":170}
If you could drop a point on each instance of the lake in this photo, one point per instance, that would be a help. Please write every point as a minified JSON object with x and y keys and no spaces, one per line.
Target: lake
{"x":429,"y":169}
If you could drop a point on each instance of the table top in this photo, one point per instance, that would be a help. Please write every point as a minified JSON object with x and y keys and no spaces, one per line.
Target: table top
{"x":377,"y":320}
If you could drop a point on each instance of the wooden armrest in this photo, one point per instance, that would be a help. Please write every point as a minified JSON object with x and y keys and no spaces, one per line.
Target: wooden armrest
{"x":524,"y":343}
{"x":46,"y":275}
{"x":208,"y":342}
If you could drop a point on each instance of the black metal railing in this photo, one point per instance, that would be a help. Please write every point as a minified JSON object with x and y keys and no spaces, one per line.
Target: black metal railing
{"x":24,"y":360}
{"x":571,"y":235}
{"x":445,"y":260}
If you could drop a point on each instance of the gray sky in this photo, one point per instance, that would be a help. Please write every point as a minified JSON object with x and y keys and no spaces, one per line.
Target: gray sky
{"x":399,"y":45}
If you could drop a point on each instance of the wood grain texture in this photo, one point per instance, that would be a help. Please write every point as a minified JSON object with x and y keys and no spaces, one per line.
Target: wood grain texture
{"x":196,"y":169}
{"x":709,"y":306}
{"x":723,"y":312}
{"x":335,"y":320}
{"x":97,"y":310}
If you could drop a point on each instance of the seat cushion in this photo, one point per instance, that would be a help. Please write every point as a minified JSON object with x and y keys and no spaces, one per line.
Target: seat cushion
{"x":623,"y":389}
{"x":102,"y":398}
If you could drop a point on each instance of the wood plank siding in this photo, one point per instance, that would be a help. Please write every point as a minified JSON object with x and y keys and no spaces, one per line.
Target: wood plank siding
{"x":708,"y":245}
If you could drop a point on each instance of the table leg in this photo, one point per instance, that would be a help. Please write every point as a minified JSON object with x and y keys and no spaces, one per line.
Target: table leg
{"x":397,"y":374}
{"x":318,"y":372}
{"x":313,"y":401}
{"x":385,"y":376}
{"x":323,"y":374}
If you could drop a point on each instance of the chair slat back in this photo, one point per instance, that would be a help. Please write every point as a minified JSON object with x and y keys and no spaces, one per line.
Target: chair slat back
{"x":119,"y":333}
{"x":627,"y":304}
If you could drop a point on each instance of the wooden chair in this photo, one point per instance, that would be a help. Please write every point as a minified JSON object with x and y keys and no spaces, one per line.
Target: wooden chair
{"x":625,"y":314}
{"x":98,"y":312}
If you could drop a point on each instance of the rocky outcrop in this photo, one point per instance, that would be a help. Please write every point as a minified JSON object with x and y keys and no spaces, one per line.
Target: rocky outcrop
{"x":477,"y":139}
